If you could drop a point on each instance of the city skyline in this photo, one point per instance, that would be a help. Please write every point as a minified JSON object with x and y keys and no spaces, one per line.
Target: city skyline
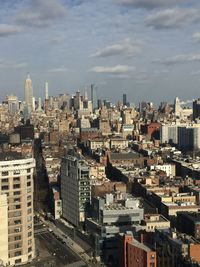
{"x":147,"y":49}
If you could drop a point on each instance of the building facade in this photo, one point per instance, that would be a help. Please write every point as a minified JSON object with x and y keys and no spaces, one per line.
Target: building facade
{"x":75,"y":188}
{"x":17,"y":244}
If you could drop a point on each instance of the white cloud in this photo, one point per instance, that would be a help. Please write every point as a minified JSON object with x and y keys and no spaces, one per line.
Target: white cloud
{"x":41,"y":13}
{"x":196,"y":37}
{"x":150,"y":4}
{"x":6,"y":64}
{"x":124,"y":48}
{"x":172,"y":18}
{"x":6,"y":29}
{"x":179,"y":59}
{"x":118,"y":69}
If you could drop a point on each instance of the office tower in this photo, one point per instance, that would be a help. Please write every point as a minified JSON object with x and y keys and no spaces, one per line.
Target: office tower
{"x":13,"y":103}
{"x":177,"y":106}
{"x":94,"y":96}
{"x":17,"y":244}
{"x":39,"y":103}
{"x":75,"y":188}
{"x":99,"y":103}
{"x":33,"y":103}
{"x":28,"y":91}
{"x":124,"y":100}
{"x":77,"y":100}
{"x":169,"y":134}
{"x":196,"y":109}
{"x":46,"y":90}
{"x":189,"y":138}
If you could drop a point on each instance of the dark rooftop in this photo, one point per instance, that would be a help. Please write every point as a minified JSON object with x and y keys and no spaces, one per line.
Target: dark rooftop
{"x":6,"y":156}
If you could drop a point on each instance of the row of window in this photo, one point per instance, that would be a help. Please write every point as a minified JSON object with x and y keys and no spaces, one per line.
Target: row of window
{"x":15,"y":186}
{"x":6,"y":173}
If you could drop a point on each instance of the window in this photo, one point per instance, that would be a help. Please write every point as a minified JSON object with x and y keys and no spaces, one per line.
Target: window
{"x":29,"y":241}
{"x":28,"y":204}
{"x":17,"y":193}
{"x":5,"y":173}
{"x":18,"y":237}
{"x":28,"y":177}
{"x":17,"y":207}
{"x":16,"y":172}
{"x":17,"y":229}
{"x":18,"y":245}
{"x":29,"y":211}
{"x":29,"y":249}
{"x":18,"y":261}
{"x":29,"y":184}
{"x":17,"y":214}
{"x":29,"y":197}
{"x":17,"y":199}
{"x":5,"y":180}
{"x":4,"y":187}
{"x":18,"y":253}
{"x":15,"y":186}
{"x":17,"y":222}
{"x":16,"y":179}
{"x":28,"y":170}
{"x":29,"y":234}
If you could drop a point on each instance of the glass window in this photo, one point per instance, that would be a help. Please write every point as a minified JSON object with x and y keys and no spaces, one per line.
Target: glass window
{"x":4,"y":187}
{"x":16,"y":179}
{"x":5,"y":180}
{"x":18,"y":253}
{"x":5,"y":173}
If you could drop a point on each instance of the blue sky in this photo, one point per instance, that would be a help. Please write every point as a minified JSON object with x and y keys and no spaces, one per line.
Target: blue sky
{"x":149,"y":49}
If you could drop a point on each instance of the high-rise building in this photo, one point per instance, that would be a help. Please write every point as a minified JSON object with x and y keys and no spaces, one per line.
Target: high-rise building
{"x":124,"y":100}
{"x":46,"y":90}
{"x":28,"y":91}
{"x":17,"y":244}
{"x":13,"y":103}
{"x":196,"y":109}
{"x":177,"y":106}
{"x":94,"y":96}
{"x":39,"y":103}
{"x":75,"y":188}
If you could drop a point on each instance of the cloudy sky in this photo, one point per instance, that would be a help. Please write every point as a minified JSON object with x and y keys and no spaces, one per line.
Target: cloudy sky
{"x":149,"y":49}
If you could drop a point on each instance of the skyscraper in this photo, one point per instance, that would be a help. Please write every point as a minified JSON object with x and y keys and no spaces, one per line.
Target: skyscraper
{"x":196,"y":109}
{"x":124,"y":100}
{"x":94,"y":96}
{"x":28,"y":91}
{"x":177,"y":106}
{"x":46,"y":90}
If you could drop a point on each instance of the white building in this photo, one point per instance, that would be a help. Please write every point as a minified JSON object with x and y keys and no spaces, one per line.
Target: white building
{"x":17,"y":244}
{"x":169,"y":169}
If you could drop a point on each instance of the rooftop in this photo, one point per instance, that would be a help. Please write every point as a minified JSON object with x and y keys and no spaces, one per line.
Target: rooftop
{"x":7,"y":156}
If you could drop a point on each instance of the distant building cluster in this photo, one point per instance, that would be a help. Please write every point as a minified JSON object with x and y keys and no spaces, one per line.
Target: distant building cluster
{"x":126,"y":178}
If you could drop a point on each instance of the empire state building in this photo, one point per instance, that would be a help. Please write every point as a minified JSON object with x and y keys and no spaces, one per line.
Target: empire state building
{"x":28,"y":91}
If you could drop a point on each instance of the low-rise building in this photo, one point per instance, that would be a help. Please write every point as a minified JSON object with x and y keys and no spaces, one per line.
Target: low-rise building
{"x":155,"y":221}
{"x":132,"y":253}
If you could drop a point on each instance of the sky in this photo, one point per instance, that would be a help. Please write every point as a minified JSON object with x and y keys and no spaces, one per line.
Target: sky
{"x":148,"y":49}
